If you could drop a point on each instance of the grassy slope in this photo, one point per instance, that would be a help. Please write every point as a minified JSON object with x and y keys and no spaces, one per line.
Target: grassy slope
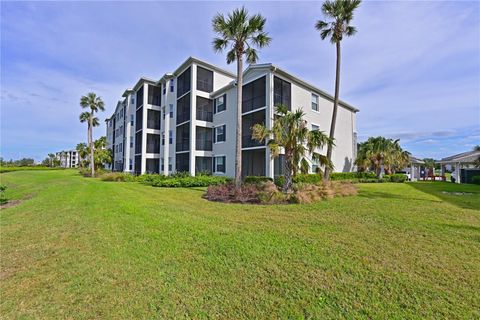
{"x":82,"y":248}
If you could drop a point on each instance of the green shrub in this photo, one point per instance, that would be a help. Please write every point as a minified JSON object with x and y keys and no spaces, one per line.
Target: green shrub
{"x":3,"y":198}
{"x":312,"y":178}
{"x":476,"y":179}
{"x":398,"y":177}
{"x":257,"y":179}
{"x":181,"y":180}
{"x":117,"y":176}
{"x":352,"y":175}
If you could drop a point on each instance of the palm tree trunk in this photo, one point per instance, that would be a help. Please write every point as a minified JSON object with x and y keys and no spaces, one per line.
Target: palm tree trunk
{"x":335,"y":109}
{"x":238,"y":148}
{"x":287,"y":187}
{"x":90,"y":141}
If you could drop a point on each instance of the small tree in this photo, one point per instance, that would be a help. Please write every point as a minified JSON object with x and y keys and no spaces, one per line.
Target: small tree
{"x":102,"y":155}
{"x":82,"y":150}
{"x":290,"y":133}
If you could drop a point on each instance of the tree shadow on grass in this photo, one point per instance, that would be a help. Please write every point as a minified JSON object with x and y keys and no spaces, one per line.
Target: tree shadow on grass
{"x":461,"y":195}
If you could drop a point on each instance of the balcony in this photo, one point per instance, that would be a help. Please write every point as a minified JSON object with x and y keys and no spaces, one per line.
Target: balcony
{"x":202,"y":144}
{"x":248,"y":142}
{"x":204,"y":85}
{"x":204,"y":115}
{"x":182,"y":117}
{"x":183,"y":145}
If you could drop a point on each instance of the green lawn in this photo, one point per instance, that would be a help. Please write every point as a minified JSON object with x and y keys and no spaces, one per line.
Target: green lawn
{"x":81,"y":248}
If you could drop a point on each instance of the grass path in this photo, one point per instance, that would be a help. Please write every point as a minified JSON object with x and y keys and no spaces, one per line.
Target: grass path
{"x":82,"y":248}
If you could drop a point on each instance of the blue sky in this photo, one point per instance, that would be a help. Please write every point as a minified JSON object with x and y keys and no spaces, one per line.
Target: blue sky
{"x":413,"y":69}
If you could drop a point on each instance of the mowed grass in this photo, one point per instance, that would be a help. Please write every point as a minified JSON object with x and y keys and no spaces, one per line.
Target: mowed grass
{"x":81,"y":248}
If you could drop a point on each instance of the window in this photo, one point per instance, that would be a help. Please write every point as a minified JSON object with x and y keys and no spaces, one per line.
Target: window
{"x":131,"y":141}
{"x":279,"y":165}
{"x":220,"y":103}
{"x":163,"y":138}
{"x":183,"y":138}
{"x":138,"y":144}
{"x":254,"y":96}
{"x":152,"y":166}
{"x":153,"y":143}
{"x":170,"y":136}
{"x":314,"y":102}
{"x":140,"y":97}
{"x":248,"y":121}
{"x":203,"y":138}
{"x":281,"y":92}
{"x":163,"y":111}
{"x":139,"y":119}
{"x":131,"y":120}
{"x":171,"y":111}
{"x":219,"y":164}
{"x":153,"y":119}
{"x":121,"y":147}
{"x":170,"y":164}
{"x":164,"y":88}
{"x":132,"y":100}
{"x":204,"y":109}
{"x":220,"y":133}
{"x":162,"y":164}
{"x":183,"y":109}
{"x":154,"y":95}
{"x":183,"y":82}
{"x":182,"y":162}
{"x":204,"y":80}
{"x":315,"y":127}
{"x":172,"y":86}
{"x":138,"y":164}
{"x":203,"y":165}
{"x":130,"y":165}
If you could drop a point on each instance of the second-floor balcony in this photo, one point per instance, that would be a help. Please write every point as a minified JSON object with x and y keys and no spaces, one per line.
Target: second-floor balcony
{"x":202,"y":144}
{"x":204,"y":115}
{"x":248,"y":141}
{"x":182,"y":117}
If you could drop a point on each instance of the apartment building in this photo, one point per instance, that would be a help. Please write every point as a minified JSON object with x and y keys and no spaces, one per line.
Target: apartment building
{"x":186,"y":121}
{"x":68,"y":159}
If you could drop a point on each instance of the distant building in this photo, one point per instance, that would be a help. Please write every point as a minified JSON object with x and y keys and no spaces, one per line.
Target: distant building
{"x":68,"y":159}
{"x":186,"y":121}
{"x":462,"y":165}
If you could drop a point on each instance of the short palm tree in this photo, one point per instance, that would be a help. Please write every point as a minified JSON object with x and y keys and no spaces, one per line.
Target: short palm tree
{"x":290,"y":133}
{"x":341,"y":12}
{"x":82,"y":150}
{"x":94,"y":103}
{"x":240,"y":33}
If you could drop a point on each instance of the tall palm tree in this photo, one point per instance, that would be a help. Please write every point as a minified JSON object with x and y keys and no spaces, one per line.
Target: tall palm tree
{"x":290,"y":133}
{"x":240,"y":33}
{"x":341,"y":12}
{"x":95,"y":104}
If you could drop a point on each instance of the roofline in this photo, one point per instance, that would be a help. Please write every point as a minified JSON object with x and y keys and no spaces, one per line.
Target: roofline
{"x":141,"y":81}
{"x":273,"y":68}
{"x":192,"y":59}
{"x":461,"y":156}
{"x":165,"y":77}
{"x":127,"y":92}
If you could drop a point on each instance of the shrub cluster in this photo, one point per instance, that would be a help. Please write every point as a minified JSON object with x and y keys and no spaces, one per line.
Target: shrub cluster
{"x":86,"y":172}
{"x":257,"y":179}
{"x":334,"y":176}
{"x":312,"y":178}
{"x":181,"y":180}
{"x":117,"y":177}
{"x":398,"y":177}
{"x":3,"y":198}
{"x":268,"y":193}
{"x":476,"y":179}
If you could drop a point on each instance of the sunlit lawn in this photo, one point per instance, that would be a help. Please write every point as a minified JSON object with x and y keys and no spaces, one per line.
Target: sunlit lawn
{"x":81,"y":248}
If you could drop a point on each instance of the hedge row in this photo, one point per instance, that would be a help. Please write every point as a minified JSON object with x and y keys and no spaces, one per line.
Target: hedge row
{"x":352,"y":175}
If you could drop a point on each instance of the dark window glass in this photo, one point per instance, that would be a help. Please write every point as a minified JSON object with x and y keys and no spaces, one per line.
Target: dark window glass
{"x":203,"y":165}
{"x":183,"y":109}
{"x":203,"y":139}
{"x":154,"y":95}
{"x":138,"y":142}
{"x":153,"y":166}
{"x":182,"y":162}
{"x":219,"y":164}
{"x":221,"y":103}
{"x":204,"y":80}
{"x":248,"y":121}
{"x":138,"y":164}
{"x":140,"y":97}
{"x":153,"y":143}
{"x":139,"y":119}
{"x":204,"y":109}
{"x":253,"y":162}
{"x":253,"y":96}
{"x":278,"y":165}
{"x":153,"y":119}
{"x":183,"y":137}
{"x":183,"y":82}
{"x":281,"y":92}
{"x":220,"y":133}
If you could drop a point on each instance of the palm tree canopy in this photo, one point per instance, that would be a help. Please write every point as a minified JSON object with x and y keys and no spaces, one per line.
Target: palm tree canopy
{"x":290,"y":132}
{"x":240,"y":33}
{"x":93,"y":102}
{"x":85,"y":116}
{"x":341,"y":13}
{"x":380,"y":151}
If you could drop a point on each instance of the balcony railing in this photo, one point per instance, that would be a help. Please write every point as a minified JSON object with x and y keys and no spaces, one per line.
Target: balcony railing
{"x":183,"y":145}
{"x":204,"y":115}
{"x":202,"y":144}
{"x":204,"y":85}
{"x":153,"y":148}
{"x":248,"y":142}
{"x":152,"y":124}
{"x":182,"y":117}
